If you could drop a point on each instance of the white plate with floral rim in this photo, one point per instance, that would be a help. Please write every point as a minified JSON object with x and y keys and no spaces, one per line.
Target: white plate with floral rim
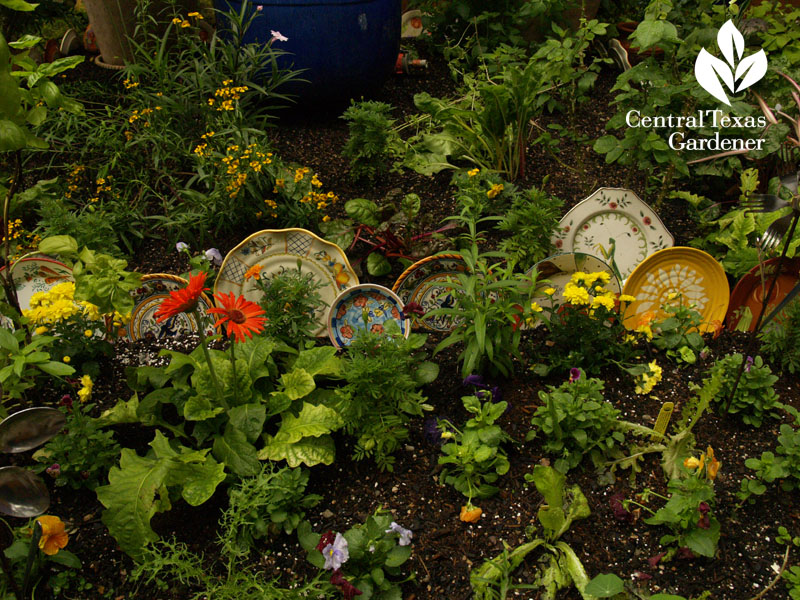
{"x":278,"y":250}
{"x":364,"y":306}
{"x":613,"y":224}
{"x":695,"y":275}
{"x":557,"y":271}
{"x":154,"y":289}
{"x":37,"y":274}
{"x":426,"y":283}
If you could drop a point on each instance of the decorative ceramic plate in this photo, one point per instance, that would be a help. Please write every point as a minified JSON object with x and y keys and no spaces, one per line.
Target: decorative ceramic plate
{"x":425,"y":283}
{"x":694,"y":274}
{"x":558,"y":271}
{"x":376,"y":303}
{"x":148,"y":297}
{"x":615,"y":225}
{"x":411,"y":24}
{"x":33,"y":275}
{"x":279,"y":250}
{"x":748,"y":295}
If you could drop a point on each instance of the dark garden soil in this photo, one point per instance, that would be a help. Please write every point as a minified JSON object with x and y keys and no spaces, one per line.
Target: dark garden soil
{"x":444,"y":548}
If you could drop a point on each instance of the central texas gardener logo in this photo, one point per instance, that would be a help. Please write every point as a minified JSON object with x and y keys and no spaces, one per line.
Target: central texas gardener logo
{"x":738,"y":74}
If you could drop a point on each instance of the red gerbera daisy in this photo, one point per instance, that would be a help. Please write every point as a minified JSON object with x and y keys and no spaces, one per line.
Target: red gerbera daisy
{"x":184,"y":300}
{"x":242,"y":316}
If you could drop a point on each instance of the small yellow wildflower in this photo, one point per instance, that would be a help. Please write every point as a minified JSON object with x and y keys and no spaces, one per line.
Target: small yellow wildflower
{"x":536,"y":308}
{"x":627,"y":298}
{"x":177,"y":21}
{"x":575,"y":294}
{"x":88,"y":333}
{"x":473,"y":172}
{"x":86,"y":390}
{"x":495,"y":191}
{"x":326,"y":218}
{"x":550,"y":291}
{"x":185,"y":24}
{"x":66,"y":359}
{"x":196,"y":15}
{"x":605,"y":301}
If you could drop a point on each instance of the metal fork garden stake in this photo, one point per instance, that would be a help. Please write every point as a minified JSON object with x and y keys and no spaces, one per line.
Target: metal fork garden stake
{"x":761,"y":321}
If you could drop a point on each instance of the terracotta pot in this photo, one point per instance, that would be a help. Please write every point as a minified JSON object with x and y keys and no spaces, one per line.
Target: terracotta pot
{"x":113,"y":23}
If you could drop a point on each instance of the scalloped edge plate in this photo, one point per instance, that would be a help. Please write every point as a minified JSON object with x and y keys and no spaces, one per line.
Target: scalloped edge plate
{"x":345,"y":316}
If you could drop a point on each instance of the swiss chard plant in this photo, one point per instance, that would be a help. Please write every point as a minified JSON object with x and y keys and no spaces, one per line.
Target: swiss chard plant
{"x":559,"y":566}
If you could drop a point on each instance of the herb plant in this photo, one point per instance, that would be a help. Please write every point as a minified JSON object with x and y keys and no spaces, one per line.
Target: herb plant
{"x":677,"y":333}
{"x":755,"y":395}
{"x":475,"y":459}
{"x":377,"y":415}
{"x":372,"y":142}
{"x":82,"y":454}
{"x":291,"y":303}
{"x":576,"y":421}
{"x":260,"y":507}
{"x":781,"y":466}
{"x":780,"y":339}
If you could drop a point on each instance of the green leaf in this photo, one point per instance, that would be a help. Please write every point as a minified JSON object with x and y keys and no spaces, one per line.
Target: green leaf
{"x":58,"y":369}
{"x":249,"y":418}
{"x":239,"y":455}
{"x":338,"y":231}
{"x":199,"y":408}
{"x":297,"y":383}
{"x":397,"y":556}
{"x":20,"y":5}
{"x":313,"y":421}
{"x":605,"y":585}
{"x":364,"y":211}
{"x":378,"y":265}
{"x":319,"y":361}
{"x":62,"y":245}
{"x":307,"y":538}
{"x":308,"y":451}
{"x":704,"y":541}
{"x":426,"y":372}
{"x":12,"y":137}
{"x":255,"y":353}
{"x":66,"y":559}
{"x":137,"y":489}
{"x":377,"y":576}
{"x":36,"y":115}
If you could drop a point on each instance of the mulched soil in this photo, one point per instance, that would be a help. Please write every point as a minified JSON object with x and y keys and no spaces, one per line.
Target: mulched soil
{"x":445,"y":549}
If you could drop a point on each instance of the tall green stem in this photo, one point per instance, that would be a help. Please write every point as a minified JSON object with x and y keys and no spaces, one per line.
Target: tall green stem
{"x":212,"y":373}
{"x":233,"y":364}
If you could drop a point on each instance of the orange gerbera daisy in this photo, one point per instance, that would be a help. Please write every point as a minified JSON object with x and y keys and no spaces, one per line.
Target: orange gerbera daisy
{"x":54,"y":535}
{"x":242,"y":316}
{"x":183,"y":300}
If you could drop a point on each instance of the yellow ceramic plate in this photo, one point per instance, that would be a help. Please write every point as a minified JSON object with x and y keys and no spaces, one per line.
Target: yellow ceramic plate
{"x":278,"y":250}
{"x":694,"y":274}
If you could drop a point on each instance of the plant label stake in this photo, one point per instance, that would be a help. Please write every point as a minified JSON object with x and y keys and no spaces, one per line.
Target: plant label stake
{"x":664,"y":416}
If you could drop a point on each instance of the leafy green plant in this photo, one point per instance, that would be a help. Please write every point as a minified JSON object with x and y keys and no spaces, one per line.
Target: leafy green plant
{"x":475,"y":459}
{"x":560,"y":566}
{"x":780,"y":339}
{"x":143,"y":485}
{"x":371,"y":555}
{"x":791,"y":576}
{"x":373,"y":141}
{"x":688,"y":511}
{"x":22,"y":362}
{"x":377,"y":415}
{"x":678,"y":332}
{"x":491,"y":299}
{"x":82,"y":454}
{"x":782,"y":466}
{"x":528,"y":225}
{"x":260,"y":507}
{"x":755,"y":395}
{"x":576,"y":421}
{"x":291,"y":304}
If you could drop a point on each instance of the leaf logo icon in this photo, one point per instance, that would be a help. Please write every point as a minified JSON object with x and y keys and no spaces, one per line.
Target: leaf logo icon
{"x":711,"y":72}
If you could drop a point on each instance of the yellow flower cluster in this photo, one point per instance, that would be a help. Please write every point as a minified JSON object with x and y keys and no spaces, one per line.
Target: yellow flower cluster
{"x":473,"y":172}
{"x":86,"y":388}
{"x":648,"y":380}
{"x":707,"y":461}
{"x":300,"y":173}
{"x":202,"y":148}
{"x":58,"y":304}
{"x":130,"y":84}
{"x":239,"y":163}
{"x":495,"y":190}
{"x":73,"y":179}
{"x":225,"y":96}
{"x":577,"y":291}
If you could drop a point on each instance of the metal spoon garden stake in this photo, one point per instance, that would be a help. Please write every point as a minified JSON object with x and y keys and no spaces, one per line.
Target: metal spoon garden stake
{"x":760,"y":322}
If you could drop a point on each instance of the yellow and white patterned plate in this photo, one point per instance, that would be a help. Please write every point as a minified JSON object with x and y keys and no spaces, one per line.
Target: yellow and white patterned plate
{"x":279,"y":250}
{"x":692,"y":273}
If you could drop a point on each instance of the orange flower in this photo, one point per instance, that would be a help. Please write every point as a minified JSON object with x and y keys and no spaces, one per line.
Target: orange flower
{"x":254,"y":271}
{"x":184,"y":300}
{"x":242,"y":316}
{"x":470,"y":514}
{"x":713,"y":465}
{"x":54,"y":537}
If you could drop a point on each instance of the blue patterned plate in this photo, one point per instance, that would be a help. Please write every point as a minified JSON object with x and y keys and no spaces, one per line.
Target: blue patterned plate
{"x":365,"y":306}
